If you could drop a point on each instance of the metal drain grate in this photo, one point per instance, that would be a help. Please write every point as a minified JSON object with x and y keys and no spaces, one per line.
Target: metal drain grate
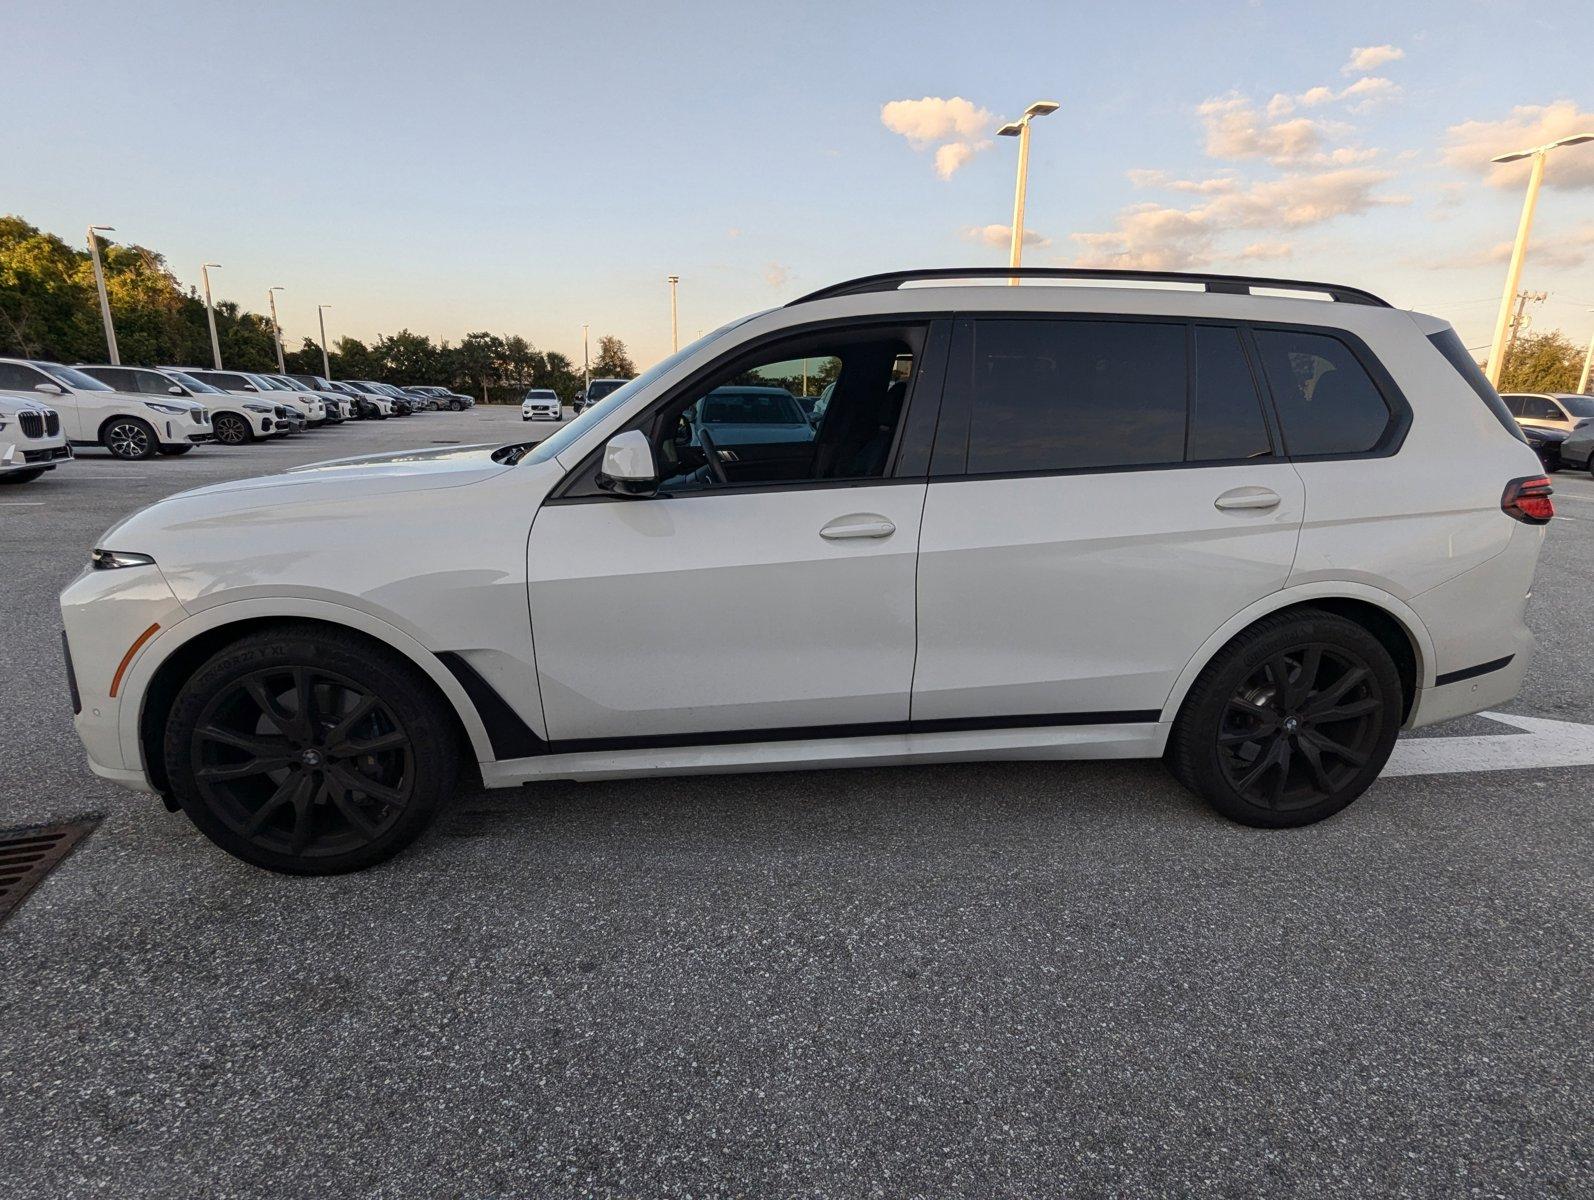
{"x":28,"y":855}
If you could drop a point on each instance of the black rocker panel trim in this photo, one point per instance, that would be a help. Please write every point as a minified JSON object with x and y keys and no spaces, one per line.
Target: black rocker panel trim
{"x":510,"y":736}
{"x":1497,"y":664}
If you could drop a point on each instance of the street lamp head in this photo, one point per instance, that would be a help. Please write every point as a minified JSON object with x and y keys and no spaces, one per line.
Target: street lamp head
{"x":1041,"y":107}
{"x":205,"y":266}
{"x":323,"y":306}
{"x":103,"y":228}
{"x":278,"y":288}
{"x":1011,"y":129}
{"x":1575,"y":139}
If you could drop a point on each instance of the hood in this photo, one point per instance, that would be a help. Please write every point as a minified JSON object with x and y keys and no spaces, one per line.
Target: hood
{"x":330,"y":482}
{"x":15,"y":402}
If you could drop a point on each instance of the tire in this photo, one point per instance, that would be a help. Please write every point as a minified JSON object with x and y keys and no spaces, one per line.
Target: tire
{"x":231,"y":429}
{"x":129,"y":439}
{"x":455,"y":406}
{"x":346,"y":790}
{"x":1300,"y":764}
{"x":173,"y":451}
{"x":22,"y":476}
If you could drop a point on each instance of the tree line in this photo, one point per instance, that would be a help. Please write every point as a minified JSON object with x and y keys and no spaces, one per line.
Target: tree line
{"x":49,"y":309}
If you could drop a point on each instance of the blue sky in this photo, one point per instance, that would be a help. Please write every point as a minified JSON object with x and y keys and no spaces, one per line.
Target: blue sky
{"x":528,"y":167}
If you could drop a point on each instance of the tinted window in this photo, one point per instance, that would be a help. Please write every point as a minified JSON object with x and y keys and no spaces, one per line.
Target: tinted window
{"x":1513,"y":404}
{"x":1226,"y":412}
{"x":19,"y":378}
{"x":119,"y":378}
{"x":1326,"y":401}
{"x":1579,"y":406}
{"x":75,"y":379}
{"x":1061,"y":395}
{"x":723,"y":407}
{"x":1449,"y":344}
{"x":150,"y":383}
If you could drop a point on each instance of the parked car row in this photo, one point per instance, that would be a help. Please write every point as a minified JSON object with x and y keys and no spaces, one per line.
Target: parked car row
{"x":137,"y":413}
{"x":1558,"y":425}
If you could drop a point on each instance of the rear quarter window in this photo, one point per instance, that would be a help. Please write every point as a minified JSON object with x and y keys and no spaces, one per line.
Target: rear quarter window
{"x":1327,"y":402}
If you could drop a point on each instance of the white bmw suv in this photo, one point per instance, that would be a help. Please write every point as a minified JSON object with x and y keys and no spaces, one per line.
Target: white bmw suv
{"x":32,"y":438}
{"x":1256,"y":527}
{"x":129,"y":425}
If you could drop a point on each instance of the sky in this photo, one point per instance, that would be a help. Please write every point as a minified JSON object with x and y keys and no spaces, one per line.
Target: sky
{"x":530,"y":167}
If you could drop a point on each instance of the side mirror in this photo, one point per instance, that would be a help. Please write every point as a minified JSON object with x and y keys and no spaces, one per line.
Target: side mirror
{"x":249,"y":387}
{"x":628,"y":468}
{"x":174,"y":390}
{"x":50,"y":389}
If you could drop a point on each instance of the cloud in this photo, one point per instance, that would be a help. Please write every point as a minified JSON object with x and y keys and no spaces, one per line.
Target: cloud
{"x":950,"y":157}
{"x":1267,"y":251}
{"x":776,"y":275}
{"x":1235,"y":130}
{"x":1002,"y":235}
{"x":733,"y":233}
{"x":1572,"y":248}
{"x":1161,"y":179}
{"x":1370,"y":58}
{"x":960,"y":127}
{"x":1471,"y":144}
{"x":1161,"y":237}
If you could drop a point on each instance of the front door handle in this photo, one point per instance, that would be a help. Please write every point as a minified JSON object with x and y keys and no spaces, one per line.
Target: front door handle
{"x":1248,"y":497}
{"x":858,"y":525}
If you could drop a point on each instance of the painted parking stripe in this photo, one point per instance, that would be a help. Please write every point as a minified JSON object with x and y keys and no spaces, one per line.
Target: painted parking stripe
{"x":1542,"y":743}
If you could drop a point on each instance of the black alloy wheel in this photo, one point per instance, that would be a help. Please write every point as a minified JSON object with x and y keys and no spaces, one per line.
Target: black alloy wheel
{"x":309,"y":752}
{"x":1291,"y":721}
{"x":129,"y":439}
{"x":231,"y":429}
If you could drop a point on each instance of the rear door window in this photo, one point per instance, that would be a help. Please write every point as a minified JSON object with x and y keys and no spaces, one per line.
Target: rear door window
{"x":1327,"y":402}
{"x":1226,"y":419}
{"x":1050,"y":395}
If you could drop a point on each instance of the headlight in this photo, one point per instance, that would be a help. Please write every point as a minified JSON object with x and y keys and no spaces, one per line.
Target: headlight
{"x":173,"y":409}
{"x":259,"y":408}
{"x":111,"y":560}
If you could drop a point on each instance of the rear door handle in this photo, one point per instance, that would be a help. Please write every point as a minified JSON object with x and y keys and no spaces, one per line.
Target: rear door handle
{"x":1248,"y":497}
{"x":858,"y":525}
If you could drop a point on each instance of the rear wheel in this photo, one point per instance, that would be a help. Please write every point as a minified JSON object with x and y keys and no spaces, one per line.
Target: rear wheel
{"x":309,"y":751}
{"x":1290,"y":722}
{"x":129,"y":438}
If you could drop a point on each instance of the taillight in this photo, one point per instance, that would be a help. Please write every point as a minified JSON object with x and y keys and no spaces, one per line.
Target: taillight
{"x":1528,"y":500}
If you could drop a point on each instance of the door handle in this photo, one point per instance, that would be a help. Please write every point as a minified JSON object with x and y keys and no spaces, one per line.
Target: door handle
{"x":858,"y":525}
{"x":1248,"y":497}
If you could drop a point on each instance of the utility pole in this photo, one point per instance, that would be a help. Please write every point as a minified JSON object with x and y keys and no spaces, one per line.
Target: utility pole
{"x":276,"y":330}
{"x":326,"y":363}
{"x":1519,"y":322}
{"x":675,"y":338}
{"x":210,"y":315}
{"x":105,"y":300}
{"x":1020,"y":130}
{"x":586,"y":371}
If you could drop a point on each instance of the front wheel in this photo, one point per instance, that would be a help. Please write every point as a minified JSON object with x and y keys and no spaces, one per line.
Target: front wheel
{"x":309,"y":751}
{"x":129,"y":439}
{"x":231,"y":429}
{"x":174,"y":451}
{"x":1290,"y":722}
{"x":26,"y":476}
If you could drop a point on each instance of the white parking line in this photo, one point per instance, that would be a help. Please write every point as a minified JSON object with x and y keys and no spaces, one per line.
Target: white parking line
{"x":1544,"y":743}
{"x":21,"y":503}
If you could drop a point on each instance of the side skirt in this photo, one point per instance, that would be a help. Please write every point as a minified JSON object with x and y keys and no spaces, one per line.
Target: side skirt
{"x":1133,"y":740}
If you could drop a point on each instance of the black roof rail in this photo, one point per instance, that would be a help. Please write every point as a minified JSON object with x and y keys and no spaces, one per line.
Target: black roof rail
{"x":1234,"y":285}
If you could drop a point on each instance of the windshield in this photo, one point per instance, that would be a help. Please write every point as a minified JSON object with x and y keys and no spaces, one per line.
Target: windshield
{"x":1579,"y":406}
{"x":602,"y":387}
{"x":289,"y":382}
{"x":594,"y":413}
{"x":198,"y":386}
{"x":74,"y":379}
{"x":539,"y":394}
{"x":725,"y":407}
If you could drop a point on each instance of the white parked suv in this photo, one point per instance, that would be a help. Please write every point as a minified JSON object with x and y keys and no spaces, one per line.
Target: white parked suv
{"x":246,"y":383}
{"x":540,"y":404}
{"x":130,"y":426}
{"x":32,"y":439}
{"x":1254,"y":526}
{"x":234,"y":420}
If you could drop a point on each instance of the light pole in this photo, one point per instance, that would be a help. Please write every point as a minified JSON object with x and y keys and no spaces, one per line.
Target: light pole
{"x":326,"y":363}
{"x":675,"y":337}
{"x":586,"y":371}
{"x":1588,"y":361}
{"x":1020,"y":130}
{"x":276,"y":330}
{"x":105,"y":300}
{"x":210,"y":314}
{"x":1519,"y":249}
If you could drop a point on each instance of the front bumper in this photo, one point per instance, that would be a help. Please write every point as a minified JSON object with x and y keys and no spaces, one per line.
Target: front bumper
{"x":29,"y":454}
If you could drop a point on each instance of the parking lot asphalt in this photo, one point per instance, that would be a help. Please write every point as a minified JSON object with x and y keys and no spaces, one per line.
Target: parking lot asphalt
{"x":973,"y":980}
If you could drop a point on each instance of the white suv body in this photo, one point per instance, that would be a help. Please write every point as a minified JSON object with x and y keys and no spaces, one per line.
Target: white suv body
{"x":130,"y":426}
{"x":32,"y":438}
{"x":233,"y":420}
{"x":540,"y":404}
{"x":1260,"y":533}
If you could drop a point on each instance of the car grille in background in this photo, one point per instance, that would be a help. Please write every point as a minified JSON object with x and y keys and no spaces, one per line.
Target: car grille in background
{"x":28,"y":855}
{"x":32,"y":424}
